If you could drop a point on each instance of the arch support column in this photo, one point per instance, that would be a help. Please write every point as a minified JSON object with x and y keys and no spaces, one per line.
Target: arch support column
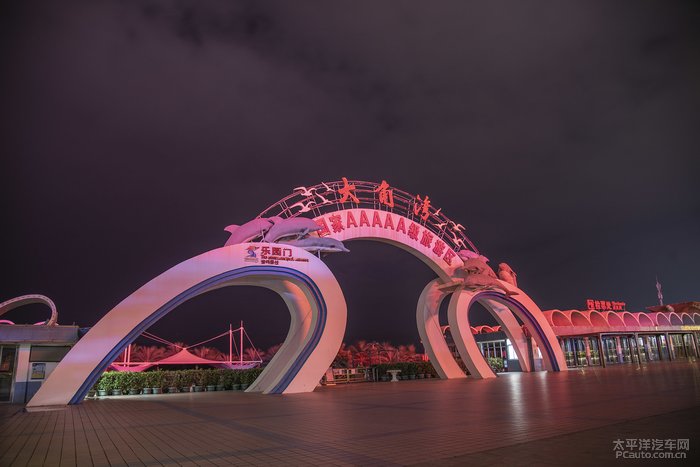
{"x":512,"y":329}
{"x":521,"y":306}
{"x":427,"y":317}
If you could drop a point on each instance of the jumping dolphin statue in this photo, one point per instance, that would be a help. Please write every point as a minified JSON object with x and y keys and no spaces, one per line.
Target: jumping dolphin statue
{"x":476,"y":274}
{"x":319,"y":245}
{"x":295,"y":227}
{"x":506,"y":274}
{"x":248,"y":231}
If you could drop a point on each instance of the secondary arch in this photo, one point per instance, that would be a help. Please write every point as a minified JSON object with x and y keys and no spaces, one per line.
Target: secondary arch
{"x":314,"y":298}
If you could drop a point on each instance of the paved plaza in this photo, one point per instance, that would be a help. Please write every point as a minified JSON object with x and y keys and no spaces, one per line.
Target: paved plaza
{"x":567,"y":418}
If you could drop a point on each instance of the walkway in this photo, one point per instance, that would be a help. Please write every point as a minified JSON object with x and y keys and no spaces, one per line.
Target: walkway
{"x":540,"y":418}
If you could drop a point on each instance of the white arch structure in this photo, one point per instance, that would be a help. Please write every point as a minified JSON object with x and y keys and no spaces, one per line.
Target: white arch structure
{"x":383,"y":226}
{"x":309,"y":289}
{"x":312,"y":294}
{"x":502,"y":307}
{"x":391,"y":228}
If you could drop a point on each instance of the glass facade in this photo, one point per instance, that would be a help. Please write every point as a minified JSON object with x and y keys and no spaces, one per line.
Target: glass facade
{"x":616,"y":349}
{"x":497,"y":349}
{"x":7,"y":371}
{"x":607,"y":349}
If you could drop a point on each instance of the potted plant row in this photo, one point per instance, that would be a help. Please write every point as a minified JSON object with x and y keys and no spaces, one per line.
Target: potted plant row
{"x":157,"y":382}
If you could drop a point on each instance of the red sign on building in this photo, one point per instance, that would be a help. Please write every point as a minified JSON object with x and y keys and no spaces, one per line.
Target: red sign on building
{"x":605,"y":305}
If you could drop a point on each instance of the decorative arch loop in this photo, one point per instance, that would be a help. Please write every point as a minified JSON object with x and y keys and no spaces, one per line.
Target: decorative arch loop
{"x":23,"y":300}
{"x":312,"y":293}
{"x":504,"y":307}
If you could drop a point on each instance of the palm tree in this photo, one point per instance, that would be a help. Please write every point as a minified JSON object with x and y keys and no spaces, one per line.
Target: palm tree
{"x":147,"y":353}
{"x":407,"y":353}
{"x":251,"y":354}
{"x":387,"y":352}
{"x":175,"y":347}
{"x":361,"y":356}
{"x":270,"y":353}
{"x":344,"y":357}
{"x":209,"y":353}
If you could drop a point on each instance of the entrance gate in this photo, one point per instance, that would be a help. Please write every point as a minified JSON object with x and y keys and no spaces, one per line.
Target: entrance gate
{"x":281,"y":250}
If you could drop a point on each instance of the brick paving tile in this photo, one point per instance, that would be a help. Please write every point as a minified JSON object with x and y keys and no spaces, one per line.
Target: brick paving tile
{"x":570,"y":418}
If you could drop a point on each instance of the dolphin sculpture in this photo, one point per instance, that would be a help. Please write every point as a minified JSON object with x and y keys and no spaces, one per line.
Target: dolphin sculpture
{"x":475,"y":274}
{"x":506,"y":274}
{"x":466,"y":255}
{"x":295,"y":227}
{"x":248,"y":231}
{"x":319,"y":245}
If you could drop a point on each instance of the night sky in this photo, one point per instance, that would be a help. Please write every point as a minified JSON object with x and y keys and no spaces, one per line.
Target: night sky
{"x":563,"y":135}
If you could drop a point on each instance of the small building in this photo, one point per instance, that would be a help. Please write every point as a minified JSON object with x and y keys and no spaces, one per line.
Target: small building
{"x":28,"y":355}
{"x":601,"y":338}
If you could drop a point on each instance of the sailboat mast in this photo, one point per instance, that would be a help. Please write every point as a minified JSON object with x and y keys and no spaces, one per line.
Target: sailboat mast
{"x":241,"y":342}
{"x":230,"y":342}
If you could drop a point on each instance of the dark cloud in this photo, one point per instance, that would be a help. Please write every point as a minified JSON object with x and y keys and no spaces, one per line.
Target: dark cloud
{"x":564,"y":136}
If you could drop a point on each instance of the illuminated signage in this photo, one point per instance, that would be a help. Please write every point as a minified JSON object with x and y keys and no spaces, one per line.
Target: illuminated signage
{"x":271,"y":255}
{"x":605,"y":305}
{"x":413,"y":232}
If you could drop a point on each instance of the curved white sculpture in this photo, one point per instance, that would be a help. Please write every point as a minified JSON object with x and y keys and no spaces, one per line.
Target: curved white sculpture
{"x":427,"y":317}
{"x":308,"y":287}
{"x":519,"y":304}
{"x":313,"y":296}
{"x":16,"y":302}
{"x":396,"y":230}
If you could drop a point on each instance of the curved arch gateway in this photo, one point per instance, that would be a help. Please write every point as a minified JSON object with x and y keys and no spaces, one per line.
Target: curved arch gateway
{"x":281,"y":250}
{"x":29,"y":300}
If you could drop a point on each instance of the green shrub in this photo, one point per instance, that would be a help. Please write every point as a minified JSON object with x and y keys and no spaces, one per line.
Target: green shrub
{"x":174,"y":379}
{"x":106,"y":381}
{"x":495,"y":363}
{"x":155,"y":379}
{"x":250,"y":375}
{"x":120,"y":380}
{"x":186,"y":378}
{"x":210,"y":378}
{"x":137,"y":381}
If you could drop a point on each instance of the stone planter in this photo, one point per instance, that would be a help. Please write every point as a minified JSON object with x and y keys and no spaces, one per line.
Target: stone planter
{"x":116,"y":392}
{"x":385,"y":378}
{"x":134,"y":392}
{"x":211,"y":387}
{"x":244,"y":386}
{"x":220,"y":387}
{"x":147,"y":391}
{"x":411,"y":376}
{"x":173,"y":390}
{"x":420,"y":375}
{"x":236,"y":387}
{"x":101,"y":392}
{"x":198,"y":388}
{"x":91,"y":393}
{"x":156,"y":391}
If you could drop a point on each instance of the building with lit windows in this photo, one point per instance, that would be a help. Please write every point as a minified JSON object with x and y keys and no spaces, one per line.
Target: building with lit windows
{"x":601,"y":338}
